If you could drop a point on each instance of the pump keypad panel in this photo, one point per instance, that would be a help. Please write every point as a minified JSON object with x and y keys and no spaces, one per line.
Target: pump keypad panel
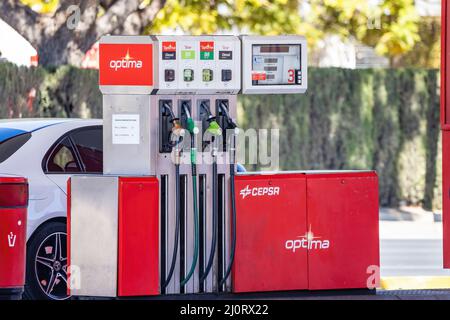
{"x":198,"y":65}
{"x":274,"y":65}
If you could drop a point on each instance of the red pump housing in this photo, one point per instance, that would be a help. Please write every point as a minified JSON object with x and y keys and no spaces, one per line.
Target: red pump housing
{"x":13,"y":232}
{"x":306,"y":231}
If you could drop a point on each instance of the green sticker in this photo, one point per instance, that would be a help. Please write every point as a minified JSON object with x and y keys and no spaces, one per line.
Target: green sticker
{"x":187,"y":54}
{"x":207,"y":55}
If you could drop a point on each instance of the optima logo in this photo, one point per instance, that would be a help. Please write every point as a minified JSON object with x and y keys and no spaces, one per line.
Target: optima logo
{"x":259,"y":191}
{"x":126,"y":62}
{"x":308,"y":242}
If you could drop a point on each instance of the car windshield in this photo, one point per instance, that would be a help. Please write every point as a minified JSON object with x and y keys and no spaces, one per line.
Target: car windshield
{"x":11,"y":140}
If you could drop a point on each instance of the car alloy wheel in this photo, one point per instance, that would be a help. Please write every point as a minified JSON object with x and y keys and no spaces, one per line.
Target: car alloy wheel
{"x":51,"y":266}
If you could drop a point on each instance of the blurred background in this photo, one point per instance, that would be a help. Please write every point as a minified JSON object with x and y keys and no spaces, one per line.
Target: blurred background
{"x":373,"y":99}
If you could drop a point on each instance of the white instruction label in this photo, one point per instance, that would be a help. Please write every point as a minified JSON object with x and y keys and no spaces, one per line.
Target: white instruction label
{"x":125,"y":129}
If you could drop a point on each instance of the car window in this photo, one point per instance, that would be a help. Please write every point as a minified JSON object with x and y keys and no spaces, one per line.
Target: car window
{"x":10,"y":146}
{"x":89,"y":143}
{"x":62,"y":159}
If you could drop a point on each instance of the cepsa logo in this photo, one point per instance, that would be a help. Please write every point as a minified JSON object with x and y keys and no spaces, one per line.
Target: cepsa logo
{"x":308,"y":242}
{"x":259,"y":191}
{"x":126,"y":62}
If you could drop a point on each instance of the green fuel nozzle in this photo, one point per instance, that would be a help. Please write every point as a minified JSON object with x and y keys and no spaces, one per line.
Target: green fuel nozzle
{"x":191,"y":127}
{"x":214,"y":128}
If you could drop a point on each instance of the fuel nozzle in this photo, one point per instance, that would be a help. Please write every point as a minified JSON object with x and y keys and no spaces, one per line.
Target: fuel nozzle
{"x":229,"y":123}
{"x":177,"y":133}
{"x":190,"y":123}
{"x":176,"y":137}
{"x":213,"y":129}
{"x":231,"y":131}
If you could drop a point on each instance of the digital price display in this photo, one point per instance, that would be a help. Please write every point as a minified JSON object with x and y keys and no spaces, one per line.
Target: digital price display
{"x":276,"y":64}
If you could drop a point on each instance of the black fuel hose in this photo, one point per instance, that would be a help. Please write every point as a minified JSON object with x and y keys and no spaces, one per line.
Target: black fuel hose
{"x":231,"y":125}
{"x":233,"y":228}
{"x":177,"y":225}
{"x":215,"y":219}
{"x":192,"y":129}
{"x":176,"y":129}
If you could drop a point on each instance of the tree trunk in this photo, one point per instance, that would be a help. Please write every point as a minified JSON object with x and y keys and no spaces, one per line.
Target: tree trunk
{"x":57,"y":43}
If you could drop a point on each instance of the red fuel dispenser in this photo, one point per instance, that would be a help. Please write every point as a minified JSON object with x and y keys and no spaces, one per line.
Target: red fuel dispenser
{"x":162,"y":231}
{"x":13,"y":223}
{"x":113,"y":248}
{"x":306,"y":231}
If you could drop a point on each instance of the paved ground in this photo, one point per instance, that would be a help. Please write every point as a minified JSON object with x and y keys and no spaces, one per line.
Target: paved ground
{"x":411,"y":243}
{"x":411,"y":248}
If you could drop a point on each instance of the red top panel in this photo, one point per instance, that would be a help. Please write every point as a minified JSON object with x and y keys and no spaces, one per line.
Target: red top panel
{"x":126,"y":64}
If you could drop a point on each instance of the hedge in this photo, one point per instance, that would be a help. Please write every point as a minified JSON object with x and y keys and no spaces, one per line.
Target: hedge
{"x":386,"y":120}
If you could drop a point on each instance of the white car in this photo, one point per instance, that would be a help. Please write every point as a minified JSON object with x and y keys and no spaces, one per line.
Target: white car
{"x":48,"y":152}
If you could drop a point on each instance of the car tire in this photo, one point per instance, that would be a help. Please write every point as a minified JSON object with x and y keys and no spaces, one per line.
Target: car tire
{"x":46,"y":272}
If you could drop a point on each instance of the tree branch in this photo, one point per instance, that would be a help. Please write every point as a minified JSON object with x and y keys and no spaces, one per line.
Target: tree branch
{"x":106,"y":4}
{"x":115,"y":16}
{"x":21,"y":18}
{"x":137,"y":22}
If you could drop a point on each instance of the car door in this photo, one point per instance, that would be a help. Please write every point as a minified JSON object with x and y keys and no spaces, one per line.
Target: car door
{"x":77,"y":152}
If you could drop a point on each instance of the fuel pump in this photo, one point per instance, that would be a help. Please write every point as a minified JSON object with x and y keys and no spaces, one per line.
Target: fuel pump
{"x":229,"y":127}
{"x":211,"y":135}
{"x":142,"y":79}
{"x":174,"y":141}
{"x":193,"y":131}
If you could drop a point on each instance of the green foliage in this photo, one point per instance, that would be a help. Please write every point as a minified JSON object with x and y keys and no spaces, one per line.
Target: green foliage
{"x":42,"y":6}
{"x":16,"y":84}
{"x":64,"y":92}
{"x":427,"y":51}
{"x":71,"y":92}
{"x":386,"y":120}
{"x":208,"y":17}
{"x":390,"y":26}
